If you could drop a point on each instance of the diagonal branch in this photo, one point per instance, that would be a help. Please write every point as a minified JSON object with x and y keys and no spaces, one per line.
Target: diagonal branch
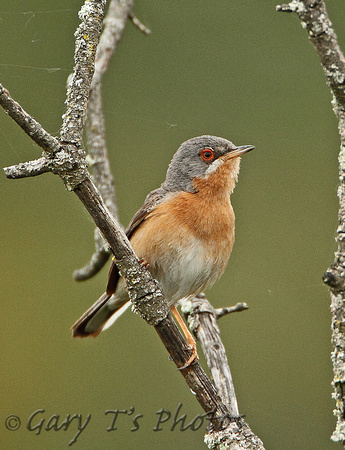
{"x":314,"y":18}
{"x":143,"y":28}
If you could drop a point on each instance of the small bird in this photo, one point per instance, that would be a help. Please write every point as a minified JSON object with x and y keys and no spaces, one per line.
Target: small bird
{"x":184,"y":232}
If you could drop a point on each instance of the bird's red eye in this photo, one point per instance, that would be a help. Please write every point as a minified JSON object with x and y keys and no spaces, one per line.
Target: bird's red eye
{"x":207,"y":154}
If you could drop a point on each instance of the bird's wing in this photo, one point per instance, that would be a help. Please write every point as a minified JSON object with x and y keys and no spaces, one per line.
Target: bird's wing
{"x":152,"y":200}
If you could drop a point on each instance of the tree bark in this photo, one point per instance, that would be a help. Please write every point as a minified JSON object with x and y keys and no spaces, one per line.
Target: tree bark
{"x":314,"y":18}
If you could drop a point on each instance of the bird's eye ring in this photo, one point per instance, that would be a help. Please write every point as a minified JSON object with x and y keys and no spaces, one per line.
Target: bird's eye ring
{"x":207,"y":154}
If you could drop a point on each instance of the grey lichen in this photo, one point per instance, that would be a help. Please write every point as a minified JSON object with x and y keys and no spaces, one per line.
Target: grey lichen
{"x":87,"y":38}
{"x":144,"y":292}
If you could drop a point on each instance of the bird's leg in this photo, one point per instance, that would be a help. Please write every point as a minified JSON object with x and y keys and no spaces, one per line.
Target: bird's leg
{"x":190,"y":339}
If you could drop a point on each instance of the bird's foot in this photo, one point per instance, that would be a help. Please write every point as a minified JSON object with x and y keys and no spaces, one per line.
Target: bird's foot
{"x":193,"y":357}
{"x":144,"y":263}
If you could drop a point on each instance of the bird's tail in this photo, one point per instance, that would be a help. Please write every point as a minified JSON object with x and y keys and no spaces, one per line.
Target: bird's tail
{"x":99,"y":316}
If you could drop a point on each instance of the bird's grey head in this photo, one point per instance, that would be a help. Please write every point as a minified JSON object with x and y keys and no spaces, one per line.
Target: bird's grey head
{"x":194,"y":158}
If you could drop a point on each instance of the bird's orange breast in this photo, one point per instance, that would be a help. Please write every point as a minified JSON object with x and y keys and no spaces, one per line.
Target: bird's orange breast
{"x":187,"y":240}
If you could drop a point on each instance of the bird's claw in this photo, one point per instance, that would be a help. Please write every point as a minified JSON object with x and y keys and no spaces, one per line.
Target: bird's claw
{"x":193,"y":357}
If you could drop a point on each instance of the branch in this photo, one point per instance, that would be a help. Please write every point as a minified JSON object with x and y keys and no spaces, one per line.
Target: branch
{"x":202,"y":320}
{"x":97,"y":261}
{"x":65,"y":160}
{"x":220,"y":312}
{"x":114,"y":22}
{"x":315,"y":20}
{"x":28,"y":169}
{"x":139,"y":24}
{"x":87,"y":37}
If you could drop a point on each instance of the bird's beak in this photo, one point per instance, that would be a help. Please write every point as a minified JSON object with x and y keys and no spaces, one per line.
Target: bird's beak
{"x":238,"y":151}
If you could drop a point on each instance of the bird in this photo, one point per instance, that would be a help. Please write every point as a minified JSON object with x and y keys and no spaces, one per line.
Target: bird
{"x":183,"y":233}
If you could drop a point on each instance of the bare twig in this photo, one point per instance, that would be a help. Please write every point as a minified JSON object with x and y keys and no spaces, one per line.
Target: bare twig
{"x":315,"y":20}
{"x":143,"y":28}
{"x":97,"y":261}
{"x":202,"y":322}
{"x":114,"y":24}
{"x":220,"y":312}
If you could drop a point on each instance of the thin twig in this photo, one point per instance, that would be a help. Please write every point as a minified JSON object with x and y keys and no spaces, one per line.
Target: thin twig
{"x":143,"y":28}
{"x":97,"y":261}
{"x":114,"y":24}
{"x":220,"y":312}
{"x":202,"y":322}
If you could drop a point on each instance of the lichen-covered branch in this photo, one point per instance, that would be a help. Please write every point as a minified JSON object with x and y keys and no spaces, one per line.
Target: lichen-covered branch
{"x":65,"y":160}
{"x":87,"y":36}
{"x":315,"y":20}
{"x":237,"y":436}
{"x":114,"y":24}
{"x":28,"y":169}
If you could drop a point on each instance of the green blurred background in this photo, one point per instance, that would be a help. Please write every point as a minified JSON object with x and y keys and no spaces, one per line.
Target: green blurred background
{"x":235,"y":69}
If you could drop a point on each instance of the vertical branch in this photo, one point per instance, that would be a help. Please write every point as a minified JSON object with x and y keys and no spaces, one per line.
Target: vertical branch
{"x":202,"y":321}
{"x":87,"y":37}
{"x":315,"y":20}
{"x":114,"y":24}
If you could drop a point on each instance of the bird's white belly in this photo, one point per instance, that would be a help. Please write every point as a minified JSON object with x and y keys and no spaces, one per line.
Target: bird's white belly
{"x":185,"y":270}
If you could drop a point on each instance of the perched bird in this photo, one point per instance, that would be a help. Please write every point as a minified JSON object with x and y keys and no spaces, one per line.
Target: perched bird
{"x":184,"y":232}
